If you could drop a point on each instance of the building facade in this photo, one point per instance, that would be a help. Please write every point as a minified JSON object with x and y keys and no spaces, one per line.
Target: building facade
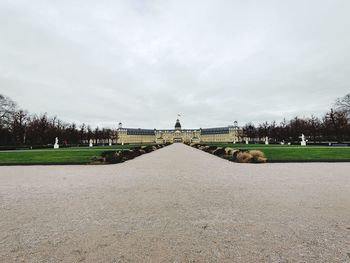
{"x":221,"y":134}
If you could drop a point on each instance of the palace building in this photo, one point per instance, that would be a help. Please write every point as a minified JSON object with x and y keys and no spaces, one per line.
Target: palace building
{"x":221,"y":134}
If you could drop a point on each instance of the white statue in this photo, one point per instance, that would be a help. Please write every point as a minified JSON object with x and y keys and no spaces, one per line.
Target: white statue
{"x":56,"y":145}
{"x":90,"y":143}
{"x":266,"y":140}
{"x":109,"y":142}
{"x":246,"y":141}
{"x":303,"y":142}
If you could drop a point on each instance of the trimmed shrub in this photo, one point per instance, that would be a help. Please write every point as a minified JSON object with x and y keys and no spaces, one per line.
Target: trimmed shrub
{"x":209,"y":149}
{"x":244,"y":157}
{"x":112,"y":157}
{"x":212,"y":148}
{"x":229,"y":151}
{"x":258,"y":156}
{"x":154,"y":148}
{"x":234,"y":154}
{"x":148,"y":148}
{"x":127,"y":154}
{"x":97,"y":159}
{"x":219,"y":152}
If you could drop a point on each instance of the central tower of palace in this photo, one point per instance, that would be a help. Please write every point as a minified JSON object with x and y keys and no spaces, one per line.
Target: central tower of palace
{"x":177,"y":124}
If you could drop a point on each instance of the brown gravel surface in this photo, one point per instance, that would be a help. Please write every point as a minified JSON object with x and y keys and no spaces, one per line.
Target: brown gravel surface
{"x":177,"y":204}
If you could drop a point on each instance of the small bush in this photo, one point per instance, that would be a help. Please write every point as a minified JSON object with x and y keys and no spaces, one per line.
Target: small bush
{"x":147,"y":149}
{"x":258,"y":156}
{"x":111,"y":157}
{"x":229,"y":151}
{"x":97,"y":159}
{"x":209,"y":149}
{"x":154,"y":148}
{"x":128,"y":154}
{"x":219,"y":152}
{"x":212,"y":148}
{"x":234,"y":154}
{"x":244,"y":157}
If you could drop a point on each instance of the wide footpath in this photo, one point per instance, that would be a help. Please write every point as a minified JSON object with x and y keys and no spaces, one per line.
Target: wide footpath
{"x":177,"y":204}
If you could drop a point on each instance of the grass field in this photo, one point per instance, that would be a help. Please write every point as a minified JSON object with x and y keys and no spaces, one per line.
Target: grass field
{"x":276,"y":152}
{"x":81,"y":155}
{"x":74,"y":155}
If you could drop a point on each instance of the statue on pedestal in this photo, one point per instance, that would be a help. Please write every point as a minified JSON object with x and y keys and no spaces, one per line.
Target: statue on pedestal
{"x":90,"y":143}
{"x":56,"y":145}
{"x":266,"y":140}
{"x":303,"y":142}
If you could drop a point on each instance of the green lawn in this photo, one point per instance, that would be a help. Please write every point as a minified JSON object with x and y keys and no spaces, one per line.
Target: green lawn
{"x":84,"y":154}
{"x":296,"y":152}
{"x":63,"y":155}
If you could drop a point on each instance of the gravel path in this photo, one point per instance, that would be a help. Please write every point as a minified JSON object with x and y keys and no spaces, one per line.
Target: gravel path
{"x":176,"y":204}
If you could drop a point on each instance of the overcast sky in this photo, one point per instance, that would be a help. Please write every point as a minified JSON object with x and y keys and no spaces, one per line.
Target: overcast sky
{"x":142,"y":62}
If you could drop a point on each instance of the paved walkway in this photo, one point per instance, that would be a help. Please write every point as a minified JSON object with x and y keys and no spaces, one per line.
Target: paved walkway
{"x":177,"y":204}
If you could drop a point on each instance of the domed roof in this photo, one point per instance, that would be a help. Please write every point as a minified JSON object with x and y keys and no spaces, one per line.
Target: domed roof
{"x":177,"y":124}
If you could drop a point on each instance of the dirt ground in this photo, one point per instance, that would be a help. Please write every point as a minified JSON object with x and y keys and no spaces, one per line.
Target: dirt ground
{"x":177,"y":204}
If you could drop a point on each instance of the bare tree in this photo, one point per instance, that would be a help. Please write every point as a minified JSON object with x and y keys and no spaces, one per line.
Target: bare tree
{"x":336,"y":124}
{"x":7,"y":110}
{"x":343,"y":104}
{"x":250,"y":131}
{"x":18,"y":126}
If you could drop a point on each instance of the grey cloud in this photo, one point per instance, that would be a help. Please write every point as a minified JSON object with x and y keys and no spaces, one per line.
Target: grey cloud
{"x":142,"y":62}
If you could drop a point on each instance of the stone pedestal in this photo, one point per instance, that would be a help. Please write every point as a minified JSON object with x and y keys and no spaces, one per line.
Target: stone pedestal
{"x":303,"y":143}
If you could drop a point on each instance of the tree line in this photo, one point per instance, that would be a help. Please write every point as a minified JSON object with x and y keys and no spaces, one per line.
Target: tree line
{"x":333,"y":126}
{"x":18,"y":128}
